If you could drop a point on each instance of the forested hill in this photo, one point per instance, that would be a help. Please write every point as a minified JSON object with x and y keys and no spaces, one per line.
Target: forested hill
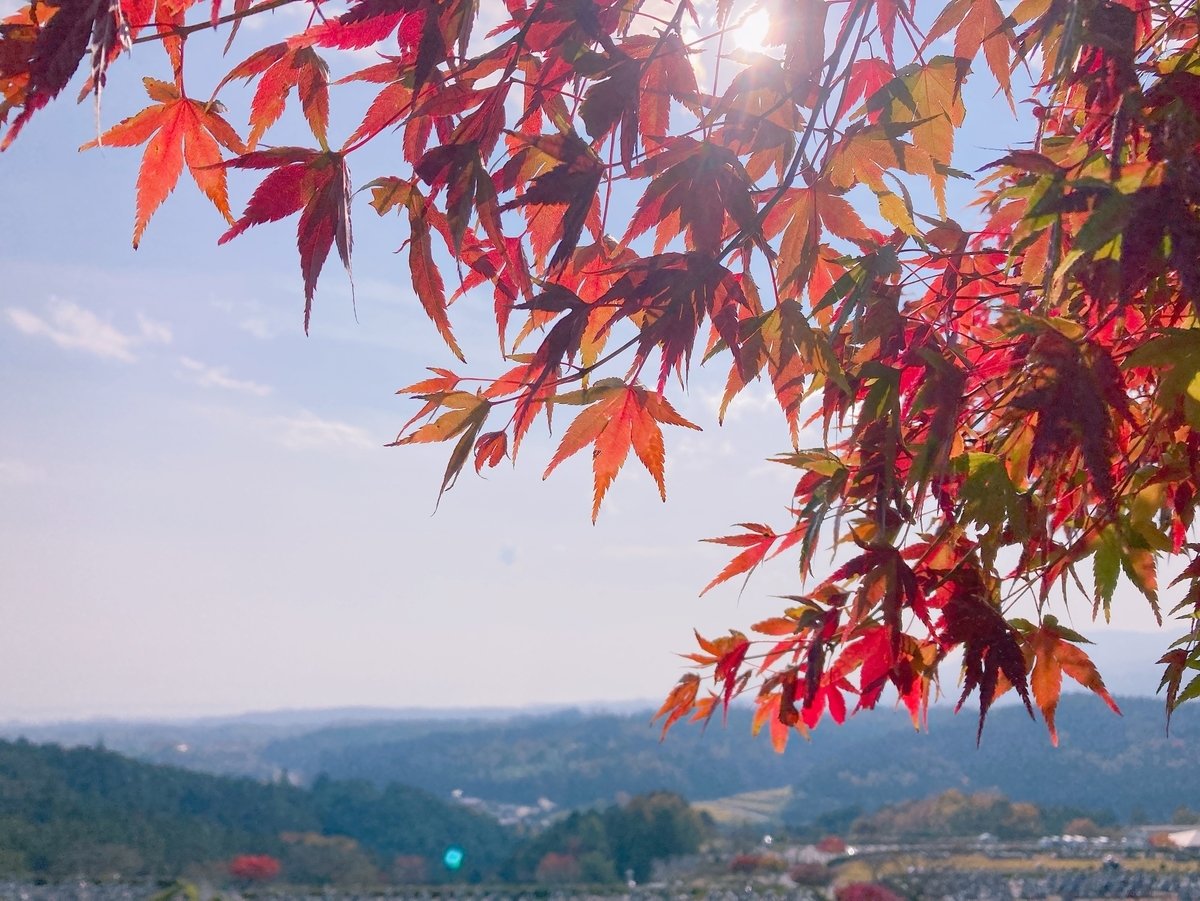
{"x":1103,"y":761}
{"x":572,"y":759}
{"x":575,"y":759}
{"x":91,"y":810}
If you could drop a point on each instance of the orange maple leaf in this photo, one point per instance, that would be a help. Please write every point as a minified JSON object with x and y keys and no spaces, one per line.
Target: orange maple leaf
{"x":758,"y":541}
{"x":864,"y":154}
{"x":767,"y":712}
{"x":426,"y":278}
{"x":626,"y":417}
{"x":177,"y":130}
{"x":1053,"y":653}
{"x":800,"y":214}
{"x":464,"y":418}
{"x":679,"y":702}
{"x":283,"y":66}
{"x":980,"y":23}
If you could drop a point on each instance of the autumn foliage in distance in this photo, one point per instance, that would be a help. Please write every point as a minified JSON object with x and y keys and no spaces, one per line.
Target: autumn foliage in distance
{"x":865,"y":891}
{"x":254,"y":867}
{"x":980,"y":417}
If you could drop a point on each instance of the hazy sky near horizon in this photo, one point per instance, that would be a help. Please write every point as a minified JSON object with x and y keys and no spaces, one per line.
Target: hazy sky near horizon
{"x":198,"y":514}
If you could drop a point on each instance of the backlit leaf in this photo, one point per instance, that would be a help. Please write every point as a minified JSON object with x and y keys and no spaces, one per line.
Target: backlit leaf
{"x":309,"y":182}
{"x":626,"y":418}
{"x":175,"y":130}
{"x":1054,"y":655}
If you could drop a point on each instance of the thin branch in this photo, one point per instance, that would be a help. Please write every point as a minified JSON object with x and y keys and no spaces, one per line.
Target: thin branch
{"x":182,"y":31}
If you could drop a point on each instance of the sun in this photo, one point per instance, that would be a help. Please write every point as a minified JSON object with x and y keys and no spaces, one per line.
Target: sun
{"x":752,"y":33}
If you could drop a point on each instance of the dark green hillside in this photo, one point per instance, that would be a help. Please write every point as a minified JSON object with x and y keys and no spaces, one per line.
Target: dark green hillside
{"x":94,"y":812}
{"x":604,"y":846}
{"x":399,"y":819}
{"x":65,"y":809}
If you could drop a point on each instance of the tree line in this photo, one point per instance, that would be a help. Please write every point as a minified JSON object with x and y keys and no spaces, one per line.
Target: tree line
{"x":93,"y":813}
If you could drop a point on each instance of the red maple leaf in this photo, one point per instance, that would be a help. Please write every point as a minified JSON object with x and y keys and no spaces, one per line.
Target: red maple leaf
{"x":313,"y":183}
{"x":282,"y":67}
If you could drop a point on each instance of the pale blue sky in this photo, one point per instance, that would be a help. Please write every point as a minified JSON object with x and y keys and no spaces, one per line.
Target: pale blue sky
{"x":197,"y":513}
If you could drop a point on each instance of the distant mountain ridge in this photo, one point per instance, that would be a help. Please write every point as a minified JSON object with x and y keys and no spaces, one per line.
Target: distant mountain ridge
{"x":577,"y":759}
{"x":232,"y":744}
{"x":572,"y":759}
{"x":1103,"y":761}
{"x":306,"y":718}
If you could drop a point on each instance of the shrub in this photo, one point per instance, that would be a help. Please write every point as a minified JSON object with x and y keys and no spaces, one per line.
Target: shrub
{"x":315,"y":859}
{"x":745,"y":863}
{"x":1082,"y":826}
{"x":254,"y":867}
{"x":772,"y":863}
{"x":865,"y":891}
{"x":558,"y":868}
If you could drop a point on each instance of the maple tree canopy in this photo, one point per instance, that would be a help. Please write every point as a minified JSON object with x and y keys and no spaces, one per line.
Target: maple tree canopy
{"x":999,"y":410}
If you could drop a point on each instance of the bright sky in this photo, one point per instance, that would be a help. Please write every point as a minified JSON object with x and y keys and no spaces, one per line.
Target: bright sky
{"x":198,"y":515}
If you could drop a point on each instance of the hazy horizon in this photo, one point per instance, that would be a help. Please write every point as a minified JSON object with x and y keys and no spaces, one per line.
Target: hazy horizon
{"x":350,"y":713}
{"x":1128,"y":673}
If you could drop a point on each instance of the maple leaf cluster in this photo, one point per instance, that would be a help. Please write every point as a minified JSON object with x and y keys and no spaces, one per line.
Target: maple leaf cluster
{"x":999,"y":409}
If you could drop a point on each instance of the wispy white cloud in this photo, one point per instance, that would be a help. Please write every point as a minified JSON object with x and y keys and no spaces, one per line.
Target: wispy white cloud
{"x":219,"y":377}
{"x":72,"y":327}
{"x":258,"y":327}
{"x":154,"y":332}
{"x":254,"y":317}
{"x":310,"y":432}
{"x":18,"y":472}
